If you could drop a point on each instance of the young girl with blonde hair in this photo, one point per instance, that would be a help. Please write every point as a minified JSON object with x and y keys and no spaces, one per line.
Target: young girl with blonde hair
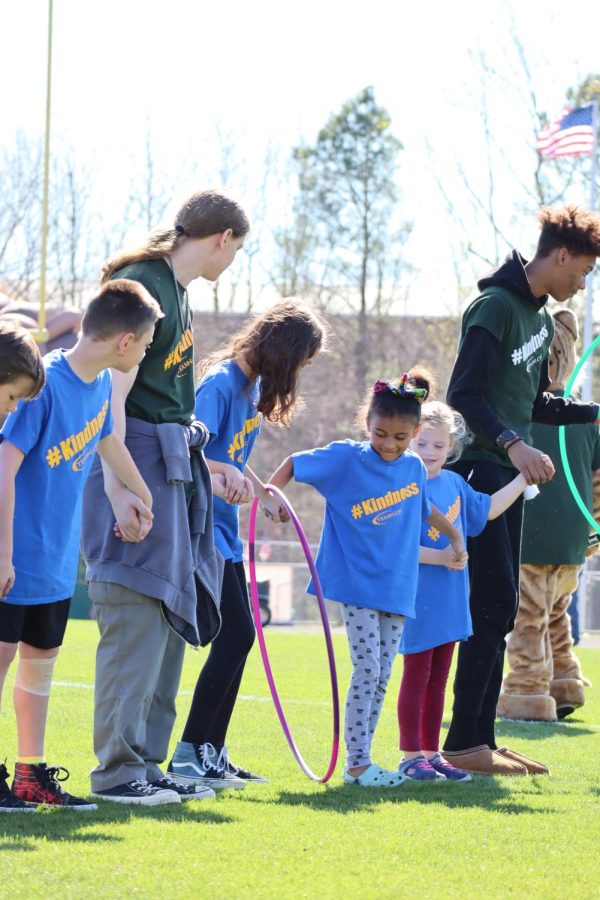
{"x":442,"y":615}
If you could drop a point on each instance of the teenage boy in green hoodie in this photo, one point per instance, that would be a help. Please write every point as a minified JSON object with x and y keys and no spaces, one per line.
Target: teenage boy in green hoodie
{"x":499,"y":385}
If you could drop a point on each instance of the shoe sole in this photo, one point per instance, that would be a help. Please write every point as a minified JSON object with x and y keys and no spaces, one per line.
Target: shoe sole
{"x":82,"y":807}
{"x":18,"y":809}
{"x":439,"y":777}
{"x":141,"y":801}
{"x":203,"y":795}
{"x":215,"y":784}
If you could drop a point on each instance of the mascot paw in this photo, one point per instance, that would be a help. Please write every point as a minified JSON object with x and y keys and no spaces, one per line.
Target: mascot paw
{"x":568,"y":695}
{"x":533,"y":707}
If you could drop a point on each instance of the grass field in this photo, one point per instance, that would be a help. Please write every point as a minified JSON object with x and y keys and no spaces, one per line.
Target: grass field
{"x":521,"y":837}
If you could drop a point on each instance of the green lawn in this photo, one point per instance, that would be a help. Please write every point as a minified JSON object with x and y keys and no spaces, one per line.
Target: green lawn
{"x":521,"y":837}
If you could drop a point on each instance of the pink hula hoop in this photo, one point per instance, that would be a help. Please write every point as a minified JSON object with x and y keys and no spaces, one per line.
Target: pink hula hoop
{"x":263,"y":648}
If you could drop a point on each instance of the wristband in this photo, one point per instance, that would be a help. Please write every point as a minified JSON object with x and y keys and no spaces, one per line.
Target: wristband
{"x":505,"y":438}
{"x":512,"y":442}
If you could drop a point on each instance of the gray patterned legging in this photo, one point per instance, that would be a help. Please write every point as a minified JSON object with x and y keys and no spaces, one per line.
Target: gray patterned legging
{"x":373,"y":638}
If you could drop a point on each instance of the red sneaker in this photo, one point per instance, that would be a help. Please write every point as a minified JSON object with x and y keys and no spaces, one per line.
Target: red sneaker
{"x":40,"y":784}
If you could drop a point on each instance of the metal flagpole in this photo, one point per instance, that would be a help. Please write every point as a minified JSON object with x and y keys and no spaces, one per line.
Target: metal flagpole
{"x":41,"y":334}
{"x":589,"y":286}
{"x":585,"y":590}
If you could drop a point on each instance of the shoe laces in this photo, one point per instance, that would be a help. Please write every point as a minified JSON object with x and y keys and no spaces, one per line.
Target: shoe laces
{"x":207,"y":754}
{"x":142,"y":786}
{"x":223,"y":761}
{"x":167,"y":782}
{"x":50,"y":776}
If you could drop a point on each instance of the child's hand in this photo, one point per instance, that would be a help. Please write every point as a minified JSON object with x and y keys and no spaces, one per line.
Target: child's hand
{"x":218,"y":484}
{"x":235,"y":485}
{"x":274,"y":510}
{"x":7,"y":576}
{"x":451,"y":561}
{"x":248,"y":495}
{"x":460,"y":554}
{"x":134,"y":518}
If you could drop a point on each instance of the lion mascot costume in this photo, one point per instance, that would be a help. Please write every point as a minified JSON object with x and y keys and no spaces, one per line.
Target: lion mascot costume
{"x":544,"y":681}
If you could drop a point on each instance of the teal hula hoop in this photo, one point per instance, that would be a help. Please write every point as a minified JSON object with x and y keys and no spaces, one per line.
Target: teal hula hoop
{"x":562,"y":443}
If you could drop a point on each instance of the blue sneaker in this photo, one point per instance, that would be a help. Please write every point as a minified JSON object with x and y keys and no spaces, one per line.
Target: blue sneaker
{"x":419,"y":769}
{"x":198,"y":764}
{"x":451,"y":773}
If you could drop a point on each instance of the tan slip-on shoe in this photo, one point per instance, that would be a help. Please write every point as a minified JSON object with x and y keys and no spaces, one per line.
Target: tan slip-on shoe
{"x":532,"y":765}
{"x":483,"y":761}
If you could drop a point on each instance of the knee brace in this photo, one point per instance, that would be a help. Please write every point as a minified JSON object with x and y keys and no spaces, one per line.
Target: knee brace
{"x":34,"y":675}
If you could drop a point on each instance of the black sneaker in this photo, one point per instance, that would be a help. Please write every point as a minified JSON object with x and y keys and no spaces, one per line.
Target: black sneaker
{"x":224,"y":761}
{"x":196,"y":764}
{"x":185,"y":791}
{"x":40,"y":784}
{"x":9,"y":802}
{"x":139,"y":793}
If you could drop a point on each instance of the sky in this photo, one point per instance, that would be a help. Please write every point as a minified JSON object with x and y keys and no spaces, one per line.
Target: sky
{"x":272,"y":73}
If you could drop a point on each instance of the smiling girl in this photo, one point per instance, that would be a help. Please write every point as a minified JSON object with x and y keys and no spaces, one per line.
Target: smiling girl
{"x":375,"y":502}
{"x":442,"y":607}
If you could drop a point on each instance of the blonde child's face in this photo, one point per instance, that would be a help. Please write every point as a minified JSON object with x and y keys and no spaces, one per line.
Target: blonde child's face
{"x":390,"y":436}
{"x":13,"y":391}
{"x":433,"y":444}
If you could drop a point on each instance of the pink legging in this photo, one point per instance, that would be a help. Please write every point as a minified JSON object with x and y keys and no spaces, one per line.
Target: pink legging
{"x":421,"y":697}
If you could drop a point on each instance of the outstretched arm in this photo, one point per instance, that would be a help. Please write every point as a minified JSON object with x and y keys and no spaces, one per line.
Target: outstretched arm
{"x":506,"y":496}
{"x":280,"y":478}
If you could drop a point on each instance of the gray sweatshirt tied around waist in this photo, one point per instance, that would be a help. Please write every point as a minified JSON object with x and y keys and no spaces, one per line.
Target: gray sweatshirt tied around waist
{"x":177,"y":563}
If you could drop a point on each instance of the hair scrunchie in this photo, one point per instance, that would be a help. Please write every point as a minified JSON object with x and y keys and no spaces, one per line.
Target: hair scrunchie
{"x":404,"y":389}
{"x":179,"y":229}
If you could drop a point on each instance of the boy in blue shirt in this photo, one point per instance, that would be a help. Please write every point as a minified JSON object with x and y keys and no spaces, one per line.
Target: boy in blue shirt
{"x":46,"y":450}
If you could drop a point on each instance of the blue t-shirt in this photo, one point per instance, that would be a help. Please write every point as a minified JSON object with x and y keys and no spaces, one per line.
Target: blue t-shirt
{"x":369,"y":549}
{"x":226,"y":403}
{"x":442,"y":612}
{"x":58,"y":432}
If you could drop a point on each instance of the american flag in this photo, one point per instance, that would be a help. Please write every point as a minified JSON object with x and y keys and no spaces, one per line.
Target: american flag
{"x":571,"y":135}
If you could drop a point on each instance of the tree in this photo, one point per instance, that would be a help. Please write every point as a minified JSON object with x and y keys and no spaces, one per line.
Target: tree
{"x":346,"y":240}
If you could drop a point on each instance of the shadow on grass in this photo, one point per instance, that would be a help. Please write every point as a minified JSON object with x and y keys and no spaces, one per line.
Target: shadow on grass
{"x":482,"y":792}
{"x":541,"y":731}
{"x":19,"y":831}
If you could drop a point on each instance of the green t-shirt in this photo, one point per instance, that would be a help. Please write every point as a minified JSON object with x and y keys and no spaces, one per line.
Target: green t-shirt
{"x":554,"y":530}
{"x":524,"y":333}
{"x":164,"y":389}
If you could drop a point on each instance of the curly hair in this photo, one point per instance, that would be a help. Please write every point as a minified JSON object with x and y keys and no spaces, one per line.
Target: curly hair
{"x":276,"y":344}
{"x":570,"y":226}
{"x":435,"y":414}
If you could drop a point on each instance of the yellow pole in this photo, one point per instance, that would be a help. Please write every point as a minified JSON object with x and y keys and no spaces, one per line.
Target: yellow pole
{"x":41,"y":334}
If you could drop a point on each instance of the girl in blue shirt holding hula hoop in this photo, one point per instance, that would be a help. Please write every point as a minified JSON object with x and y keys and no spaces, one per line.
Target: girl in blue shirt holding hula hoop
{"x":375,"y":501}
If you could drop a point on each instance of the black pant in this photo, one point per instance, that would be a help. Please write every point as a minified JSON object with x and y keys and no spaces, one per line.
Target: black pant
{"x":494,"y":560}
{"x":219,"y":681}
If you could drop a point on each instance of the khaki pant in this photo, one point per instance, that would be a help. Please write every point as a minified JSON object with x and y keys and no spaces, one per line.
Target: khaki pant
{"x":138,"y":668}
